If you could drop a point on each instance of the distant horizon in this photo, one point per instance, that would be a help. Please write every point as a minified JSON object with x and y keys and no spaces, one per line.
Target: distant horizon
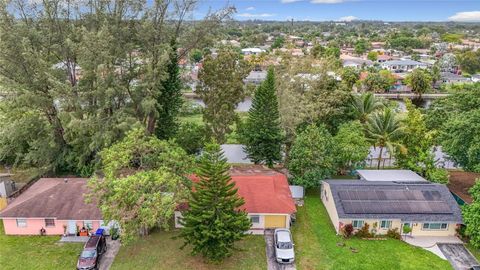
{"x":348,"y":10}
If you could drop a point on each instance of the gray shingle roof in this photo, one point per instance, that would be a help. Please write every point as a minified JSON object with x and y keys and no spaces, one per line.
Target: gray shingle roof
{"x":411,"y":197}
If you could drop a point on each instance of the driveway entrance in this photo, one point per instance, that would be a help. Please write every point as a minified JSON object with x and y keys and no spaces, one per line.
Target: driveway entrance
{"x":272,"y":264}
{"x":458,"y":256}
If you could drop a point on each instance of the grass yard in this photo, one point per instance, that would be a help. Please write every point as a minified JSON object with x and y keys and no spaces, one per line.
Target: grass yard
{"x":316,"y":246}
{"x":160,"y":251}
{"x":37,"y":252}
{"x":475,"y":251}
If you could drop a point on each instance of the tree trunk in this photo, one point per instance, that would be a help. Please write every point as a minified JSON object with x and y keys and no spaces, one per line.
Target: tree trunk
{"x":380,"y":157}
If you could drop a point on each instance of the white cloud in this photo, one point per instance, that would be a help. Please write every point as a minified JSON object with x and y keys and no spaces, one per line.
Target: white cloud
{"x":467,"y":16}
{"x":250,"y":8}
{"x":252,"y":15}
{"x":289,"y":1}
{"x":347,"y":18}
{"x":326,"y":1}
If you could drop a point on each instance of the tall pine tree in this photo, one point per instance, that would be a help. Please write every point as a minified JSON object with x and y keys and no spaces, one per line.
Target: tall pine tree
{"x":170,"y":99}
{"x":262,"y":134}
{"x":214,"y":221}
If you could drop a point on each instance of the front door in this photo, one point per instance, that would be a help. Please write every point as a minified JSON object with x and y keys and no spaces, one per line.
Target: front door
{"x":72,"y":227}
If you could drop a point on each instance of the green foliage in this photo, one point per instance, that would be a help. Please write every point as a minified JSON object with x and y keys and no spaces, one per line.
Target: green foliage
{"x":452,"y":38}
{"x":419,"y":142}
{"x":469,"y":61}
{"x":406,"y":229}
{"x":363,"y":105}
{"x":221,"y":88}
{"x":196,"y":55}
{"x":372,"y":56}
{"x":350,"y":76}
{"x":311,"y":158}
{"x":318,"y":51}
{"x":144,"y":180}
{"x":214,"y":221}
{"x":361,"y":46}
{"x":471,"y":215}
{"x":420,"y":81}
{"x":351,"y":147}
{"x":169,"y":101}
{"x":456,"y":117}
{"x":384,"y":130}
{"x":404,"y":43}
{"x":191,"y":137}
{"x":394,"y":233}
{"x":278,"y":42}
{"x":364,"y":232}
{"x":262,"y":134}
{"x":378,"y":82}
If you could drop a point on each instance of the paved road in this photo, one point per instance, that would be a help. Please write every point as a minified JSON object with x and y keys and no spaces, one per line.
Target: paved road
{"x":271,"y":262}
{"x":458,"y":256}
{"x":107,"y":258}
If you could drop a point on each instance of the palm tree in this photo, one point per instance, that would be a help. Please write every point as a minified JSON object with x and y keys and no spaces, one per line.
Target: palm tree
{"x":384,"y":130}
{"x":365,"y":104}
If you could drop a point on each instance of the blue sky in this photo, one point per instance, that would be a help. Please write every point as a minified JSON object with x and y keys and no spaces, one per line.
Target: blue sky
{"x":321,"y":10}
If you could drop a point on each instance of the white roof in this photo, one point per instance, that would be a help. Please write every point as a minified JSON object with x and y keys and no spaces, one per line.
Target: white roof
{"x":235,"y":153}
{"x":297,"y":192}
{"x":390,"y":175}
{"x":253,"y":50}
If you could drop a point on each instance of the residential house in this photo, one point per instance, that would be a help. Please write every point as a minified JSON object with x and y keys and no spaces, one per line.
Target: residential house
{"x":255,"y":77}
{"x":252,"y":51}
{"x":429,"y":209}
{"x":356,"y":62}
{"x":402,"y":65}
{"x":452,"y":78}
{"x":54,"y":204}
{"x":268,"y":200}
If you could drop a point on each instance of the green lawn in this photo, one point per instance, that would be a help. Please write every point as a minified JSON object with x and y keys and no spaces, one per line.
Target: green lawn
{"x":160,"y":251}
{"x":316,"y":246}
{"x":474,"y":251}
{"x":36,"y":252}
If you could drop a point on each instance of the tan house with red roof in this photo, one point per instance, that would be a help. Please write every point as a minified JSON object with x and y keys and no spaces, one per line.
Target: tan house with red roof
{"x":54,"y":204}
{"x":267,"y":196}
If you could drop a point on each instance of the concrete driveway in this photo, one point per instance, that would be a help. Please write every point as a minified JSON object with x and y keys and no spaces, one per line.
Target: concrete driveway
{"x":270,"y":249}
{"x":107,"y":258}
{"x":458,"y":256}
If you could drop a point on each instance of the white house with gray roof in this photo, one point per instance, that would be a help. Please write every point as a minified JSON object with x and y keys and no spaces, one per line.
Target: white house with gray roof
{"x":429,"y":209}
{"x":406,"y":65}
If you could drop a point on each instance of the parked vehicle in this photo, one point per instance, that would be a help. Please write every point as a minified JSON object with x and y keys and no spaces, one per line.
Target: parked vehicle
{"x":95,"y":247}
{"x":284,"y":252}
{"x":475,"y":267}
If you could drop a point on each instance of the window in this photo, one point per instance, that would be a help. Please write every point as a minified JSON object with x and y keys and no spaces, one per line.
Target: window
{"x":21,"y":222}
{"x":255,"y":219}
{"x":385,"y":224}
{"x":357,"y":224}
{"x":435,"y":226}
{"x":49,"y":222}
{"x":88,"y":224}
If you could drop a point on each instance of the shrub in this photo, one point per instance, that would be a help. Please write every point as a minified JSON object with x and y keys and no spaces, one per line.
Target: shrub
{"x":347,"y":230}
{"x":394,"y":233}
{"x":364,"y":232}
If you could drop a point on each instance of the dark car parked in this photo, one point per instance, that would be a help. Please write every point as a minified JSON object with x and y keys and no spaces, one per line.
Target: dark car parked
{"x":92,"y":251}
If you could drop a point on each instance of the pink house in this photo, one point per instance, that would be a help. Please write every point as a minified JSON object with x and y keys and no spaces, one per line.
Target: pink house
{"x":54,"y":204}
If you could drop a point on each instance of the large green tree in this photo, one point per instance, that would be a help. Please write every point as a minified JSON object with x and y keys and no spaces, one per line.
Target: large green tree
{"x":169,"y":101}
{"x":420,"y":81}
{"x":351,"y":147}
{"x":471,"y":215}
{"x":144,"y":180}
{"x":221,"y":88}
{"x":214,"y":220}
{"x":312,"y":157}
{"x":419,"y":144}
{"x":262,"y":134}
{"x":363,"y":105}
{"x":457,"y":118}
{"x":384,"y":130}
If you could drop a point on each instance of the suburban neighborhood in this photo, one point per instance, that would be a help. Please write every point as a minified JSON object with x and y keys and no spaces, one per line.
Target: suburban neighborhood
{"x":279,"y":134}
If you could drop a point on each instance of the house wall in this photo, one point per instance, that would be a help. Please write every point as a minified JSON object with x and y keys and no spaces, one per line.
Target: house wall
{"x":327,"y":200}
{"x":35,"y":224}
{"x":256,"y":228}
{"x":417,"y":227}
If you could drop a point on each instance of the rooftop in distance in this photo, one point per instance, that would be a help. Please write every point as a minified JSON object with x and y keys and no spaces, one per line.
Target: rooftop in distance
{"x":390,"y":175}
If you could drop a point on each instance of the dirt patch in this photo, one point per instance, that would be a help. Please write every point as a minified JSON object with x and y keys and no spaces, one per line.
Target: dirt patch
{"x":461,"y":182}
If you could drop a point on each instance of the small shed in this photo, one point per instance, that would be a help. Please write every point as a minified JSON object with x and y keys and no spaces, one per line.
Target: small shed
{"x":390,"y":176}
{"x":7,"y":185}
{"x":298,"y":193}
